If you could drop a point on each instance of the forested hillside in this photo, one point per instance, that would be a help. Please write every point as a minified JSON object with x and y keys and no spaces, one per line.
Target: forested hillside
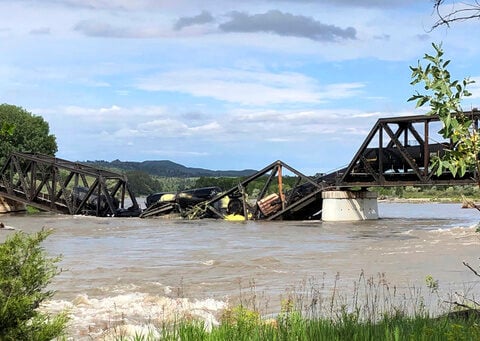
{"x":167,"y":168}
{"x":148,"y":177}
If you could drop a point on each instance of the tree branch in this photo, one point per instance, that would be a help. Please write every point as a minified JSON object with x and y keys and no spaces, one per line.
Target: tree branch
{"x":458,"y":304}
{"x":462,"y":14}
{"x":467,"y":299}
{"x":471,"y":269}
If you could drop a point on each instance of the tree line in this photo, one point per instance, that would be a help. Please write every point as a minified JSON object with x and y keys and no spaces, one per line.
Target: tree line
{"x":142,"y":183}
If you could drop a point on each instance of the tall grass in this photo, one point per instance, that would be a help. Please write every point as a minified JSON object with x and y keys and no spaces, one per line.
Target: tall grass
{"x":349,"y":327}
{"x":312,"y":310}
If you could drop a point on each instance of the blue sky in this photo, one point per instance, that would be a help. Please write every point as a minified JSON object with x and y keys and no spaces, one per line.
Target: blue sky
{"x":221,"y":84}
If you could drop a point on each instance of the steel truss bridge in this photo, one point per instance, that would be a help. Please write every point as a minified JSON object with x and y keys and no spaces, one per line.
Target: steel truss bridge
{"x":396,"y":152}
{"x":61,"y":186}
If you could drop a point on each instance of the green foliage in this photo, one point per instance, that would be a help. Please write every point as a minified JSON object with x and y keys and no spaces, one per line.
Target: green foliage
{"x":142,"y":183}
{"x":32,"y":210}
{"x":444,"y":97}
{"x":6,"y":130}
{"x":224,"y":183}
{"x":431,"y":283}
{"x":371,"y":312}
{"x":431,"y":193}
{"x":239,"y":323}
{"x":169,"y":169}
{"x":254,"y":187}
{"x":25,"y":273}
{"x":175,"y":184}
{"x":24,"y":132}
{"x":348,"y":327}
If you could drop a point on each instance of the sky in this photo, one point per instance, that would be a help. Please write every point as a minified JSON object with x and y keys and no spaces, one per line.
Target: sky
{"x":222,"y":84}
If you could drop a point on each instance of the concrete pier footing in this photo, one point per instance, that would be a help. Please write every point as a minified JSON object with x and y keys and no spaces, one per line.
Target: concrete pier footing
{"x":349,"y":206}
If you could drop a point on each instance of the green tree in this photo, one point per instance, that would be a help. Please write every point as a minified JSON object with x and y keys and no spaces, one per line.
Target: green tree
{"x":25,"y":273}
{"x":142,"y":183}
{"x":444,"y":97}
{"x":25,"y":133}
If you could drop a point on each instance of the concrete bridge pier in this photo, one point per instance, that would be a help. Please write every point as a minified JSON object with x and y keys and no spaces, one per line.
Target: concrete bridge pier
{"x":349,"y":205}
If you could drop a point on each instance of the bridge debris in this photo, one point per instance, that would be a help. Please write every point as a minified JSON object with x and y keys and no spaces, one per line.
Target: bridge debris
{"x":302,"y":201}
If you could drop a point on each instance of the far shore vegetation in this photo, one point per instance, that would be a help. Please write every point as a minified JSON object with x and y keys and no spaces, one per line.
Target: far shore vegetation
{"x":454,"y":194}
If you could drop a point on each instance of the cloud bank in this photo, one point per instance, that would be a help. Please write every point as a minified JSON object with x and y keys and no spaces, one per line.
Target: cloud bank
{"x":286,"y":24}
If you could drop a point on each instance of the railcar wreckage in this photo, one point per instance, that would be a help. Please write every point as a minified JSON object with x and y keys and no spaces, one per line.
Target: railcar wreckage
{"x":272,"y":202}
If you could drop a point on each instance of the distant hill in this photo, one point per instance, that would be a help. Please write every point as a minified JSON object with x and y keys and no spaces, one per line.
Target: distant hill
{"x":167,"y":168}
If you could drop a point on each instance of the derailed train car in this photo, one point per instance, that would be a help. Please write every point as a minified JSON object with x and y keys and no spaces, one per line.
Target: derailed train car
{"x":273,"y":201}
{"x":165,"y":203}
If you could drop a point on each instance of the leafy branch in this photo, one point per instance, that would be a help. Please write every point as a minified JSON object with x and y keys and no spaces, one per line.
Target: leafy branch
{"x":444,"y":97}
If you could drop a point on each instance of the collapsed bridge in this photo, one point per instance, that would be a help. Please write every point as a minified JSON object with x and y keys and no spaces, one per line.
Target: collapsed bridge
{"x":396,"y":152}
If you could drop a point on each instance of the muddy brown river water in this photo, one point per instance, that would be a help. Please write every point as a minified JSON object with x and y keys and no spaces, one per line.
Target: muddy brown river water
{"x":137,"y":271}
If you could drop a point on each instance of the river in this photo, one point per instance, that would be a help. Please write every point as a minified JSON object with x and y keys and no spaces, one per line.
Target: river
{"x":138,"y":271}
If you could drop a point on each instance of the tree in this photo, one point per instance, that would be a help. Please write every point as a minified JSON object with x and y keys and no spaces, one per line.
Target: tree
{"x":142,"y":183}
{"x":25,"y":273}
{"x":444,"y":97}
{"x":24,"y":132}
{"x":449,"y":14}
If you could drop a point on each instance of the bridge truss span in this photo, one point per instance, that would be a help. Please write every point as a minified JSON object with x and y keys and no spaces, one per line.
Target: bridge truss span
{"x":61,"y":186}
{"x":398,"y":151}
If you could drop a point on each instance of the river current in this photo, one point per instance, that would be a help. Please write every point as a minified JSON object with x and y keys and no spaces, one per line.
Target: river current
{"x":137,"y":272}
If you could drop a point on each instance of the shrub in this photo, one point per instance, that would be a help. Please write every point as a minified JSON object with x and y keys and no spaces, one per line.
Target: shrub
{"x":25,"y":272}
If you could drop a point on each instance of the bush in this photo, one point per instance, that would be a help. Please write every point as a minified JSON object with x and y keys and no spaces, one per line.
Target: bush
{"x":25,"y":273}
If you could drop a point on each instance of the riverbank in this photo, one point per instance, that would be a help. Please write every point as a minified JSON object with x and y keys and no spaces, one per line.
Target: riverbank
{"x":437,"y":194}
{"x":420,"y":200}
{"x":374,"y":309}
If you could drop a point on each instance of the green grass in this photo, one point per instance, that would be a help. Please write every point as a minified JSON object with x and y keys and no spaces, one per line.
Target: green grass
{"x":32,"y":210}
{"x":293,"y":326}
{"x":375,"y":310}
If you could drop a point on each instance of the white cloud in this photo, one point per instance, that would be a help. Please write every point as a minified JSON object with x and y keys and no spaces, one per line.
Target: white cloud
{"x":253,"y":88}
